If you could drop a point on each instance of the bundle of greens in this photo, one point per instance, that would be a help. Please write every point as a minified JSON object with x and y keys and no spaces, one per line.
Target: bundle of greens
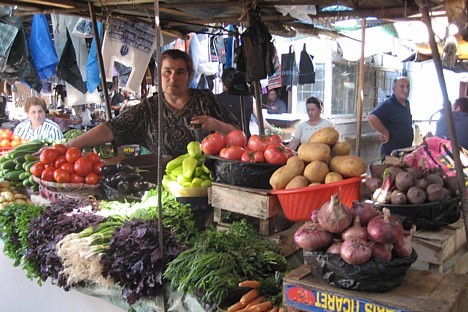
{"x":51,"y":226}
{"x":135,"y":258}
{"x":218,"y":261}
{"x":14,"y":226}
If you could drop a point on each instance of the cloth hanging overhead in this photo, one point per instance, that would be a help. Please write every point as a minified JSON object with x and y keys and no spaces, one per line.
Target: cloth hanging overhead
{"x":131,"y":44}
{"x":93,"y":78}
{"x":42,"y":47}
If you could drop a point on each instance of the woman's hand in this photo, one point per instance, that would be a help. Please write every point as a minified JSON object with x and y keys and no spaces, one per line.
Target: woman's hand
{"x":207,"y":123}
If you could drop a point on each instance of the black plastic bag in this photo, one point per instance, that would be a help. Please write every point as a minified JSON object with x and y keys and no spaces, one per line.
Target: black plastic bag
{"x":68,"y":68}
{"x":374,"y":275}
{"x":306,"y":67}
{"x":289,"y":71}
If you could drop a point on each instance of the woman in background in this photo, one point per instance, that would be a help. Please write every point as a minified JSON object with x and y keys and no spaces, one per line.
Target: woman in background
{"x":37,"y":126}
{"x":314,"y":123}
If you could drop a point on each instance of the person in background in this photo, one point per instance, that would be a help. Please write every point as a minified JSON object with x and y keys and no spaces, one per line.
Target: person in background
{"x":37,"y":126}
{"x":308,"y":127}
{"x":460,"y":122}
{"x":182,"y":109}
{"x":274,"y":104}
{"x":232,"y":103}
{"x":119,"y":100}
{"x":393,"y":120}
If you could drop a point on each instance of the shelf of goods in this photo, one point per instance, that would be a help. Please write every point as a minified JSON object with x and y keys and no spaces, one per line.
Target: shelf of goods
{"x":419,"y":291}
{"x":260,"y":207}
{"x":444,"y":249}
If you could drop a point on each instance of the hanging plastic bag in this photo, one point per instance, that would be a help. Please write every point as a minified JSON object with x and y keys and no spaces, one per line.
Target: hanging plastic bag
{"x":306,"y":67}
{"x":42,"y":47}
{"x":92,"y":67}
{"x":289,"y":71}
{"x":68,"y":69}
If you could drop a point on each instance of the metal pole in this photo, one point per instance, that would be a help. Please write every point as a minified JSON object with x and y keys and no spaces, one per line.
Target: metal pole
{"x":360,"y":86}
{"x":258,"y":102}
{"x":423,"y":8}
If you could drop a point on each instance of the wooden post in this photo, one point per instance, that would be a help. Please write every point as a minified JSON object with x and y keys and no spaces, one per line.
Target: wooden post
{"x":360,"y":87}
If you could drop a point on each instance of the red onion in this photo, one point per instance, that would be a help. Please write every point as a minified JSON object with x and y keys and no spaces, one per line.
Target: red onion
{"x":385,"y":229}
{"x":313,"y":216}
{"x":355,"y":251}
{"x":403,"y":247}
{"x":382,"y":251}
{"x":365,"y":211}
{"x":356,"y":231}
{"x":335,"y":247}
{"x":334,"y":216}
{"x":310,"y":236}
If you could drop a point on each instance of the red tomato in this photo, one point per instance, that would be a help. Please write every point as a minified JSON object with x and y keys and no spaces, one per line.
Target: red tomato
{"x":62,"y":149}
{"x":92,"y":179}
{"x":93,"y":157}
{"x":251,"y":156}
{"x":256,"y":143}
{"x":72,"y":154}
{"x":69,"y":167}
{"x":213,"y":143}
{"x":48,"y":156}
{"x":48,"y":174}
{"x":83,"y":166}
{"x":37,"y":169}
{"x":289,"y":151}
{"x":236,"y":138}
{"x":60,"y":161}
{"x":276,"y":138}
{"x":61,"y":176}
{"x":76,"y":178}
{"x":97,"y":167}
{"x":275,"y":155}
{"x":232,"y":152}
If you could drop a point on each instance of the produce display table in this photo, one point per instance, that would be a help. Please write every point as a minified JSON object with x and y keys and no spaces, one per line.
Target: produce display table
{"x":420,"y":291}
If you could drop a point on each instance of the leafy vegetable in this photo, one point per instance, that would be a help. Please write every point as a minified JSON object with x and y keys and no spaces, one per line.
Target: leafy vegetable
{"x":218,"y":261}
{"x":51,"y":226}
{"x":134,"y":259}
{"x":14,"y":225}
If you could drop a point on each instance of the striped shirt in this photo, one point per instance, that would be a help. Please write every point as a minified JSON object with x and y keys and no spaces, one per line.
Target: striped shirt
{"x":48,"y":130}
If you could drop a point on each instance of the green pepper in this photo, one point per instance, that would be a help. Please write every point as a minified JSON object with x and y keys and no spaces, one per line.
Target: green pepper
{"x":194,"y":149}
{"x":205,"y":169}
{"x":197,"y":182}
{"x":181,"y":179}
{"x":198,"y":172}
{"x":188,"y":166}
{"x":174,"y":163}
{"x":206,"y":183}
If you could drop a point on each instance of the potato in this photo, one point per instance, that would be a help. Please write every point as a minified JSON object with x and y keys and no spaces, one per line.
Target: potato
{"x":283,"y":175}
{"x":340,"y":149}
{"x":297,"y":182}
{"x":316,"y":171}
{"x":328,"y":135}
{"x":310,"y":152}
{"x":348,"y":166}
{"x":333,"y":177}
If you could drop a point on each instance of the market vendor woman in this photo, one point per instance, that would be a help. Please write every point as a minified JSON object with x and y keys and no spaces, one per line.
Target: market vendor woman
{"x":182,"y":108}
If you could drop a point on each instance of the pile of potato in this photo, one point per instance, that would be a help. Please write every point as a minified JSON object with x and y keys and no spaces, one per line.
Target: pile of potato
{"x":321,"y":160}
{"x":10,"y":195}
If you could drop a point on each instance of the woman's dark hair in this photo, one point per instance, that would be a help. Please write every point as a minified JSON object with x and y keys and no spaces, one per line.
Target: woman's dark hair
{"x":34,"y":101}
{"x":316,"y":101}
{"x":178,"y":54}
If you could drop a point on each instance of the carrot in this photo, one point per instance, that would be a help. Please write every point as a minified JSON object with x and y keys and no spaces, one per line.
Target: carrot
{"x":251,"y":295}
{"x":236,"y":307}
{"x":274,"y":309}
{"x":252,"y":303}
{"x":250,"y":284}
{"x":261,"y":307}
{"x":281,"y":309}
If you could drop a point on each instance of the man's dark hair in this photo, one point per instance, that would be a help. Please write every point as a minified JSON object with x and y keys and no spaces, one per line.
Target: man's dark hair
{"x":462,"y":103}
{"x":227,"y":76}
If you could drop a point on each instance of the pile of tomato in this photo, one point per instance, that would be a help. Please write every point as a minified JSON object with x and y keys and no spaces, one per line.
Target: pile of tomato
{"x":235,"y":146}
{"x":8,"y":139}
{"x":67,"y":165}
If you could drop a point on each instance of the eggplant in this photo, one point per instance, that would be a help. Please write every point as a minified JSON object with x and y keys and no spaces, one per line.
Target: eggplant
{"x":124,"y":187}
{"x":108,"y":170}
{"x":123,"y":167}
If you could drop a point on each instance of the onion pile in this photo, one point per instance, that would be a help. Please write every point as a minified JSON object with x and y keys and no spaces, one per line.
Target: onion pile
{"x":382,"y":240}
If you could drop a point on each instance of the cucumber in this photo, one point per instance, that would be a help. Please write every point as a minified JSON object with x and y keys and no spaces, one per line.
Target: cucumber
{"x":30,"y":145}
{"x":30,"y":157}
{"x":24,"y":152}
{"x":27,"y":166}
{"x":18,"y":166}
{"x":9,"y":165}
{"x":13,"y":176}
{"x":27,"y":183}
{"x":24,"y":175}
{"x":19,"y":160}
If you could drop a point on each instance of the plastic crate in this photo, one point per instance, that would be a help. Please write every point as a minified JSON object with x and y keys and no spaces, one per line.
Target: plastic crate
{"x":299,"y":203}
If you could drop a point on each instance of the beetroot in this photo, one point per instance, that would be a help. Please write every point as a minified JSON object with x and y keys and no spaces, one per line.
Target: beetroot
{"x":398,"y":197}
{"x":404,"y":180}
{"x":415,"y":195}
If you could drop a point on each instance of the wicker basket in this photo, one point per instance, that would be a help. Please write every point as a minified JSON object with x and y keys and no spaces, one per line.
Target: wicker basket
{"x":53,"y":191}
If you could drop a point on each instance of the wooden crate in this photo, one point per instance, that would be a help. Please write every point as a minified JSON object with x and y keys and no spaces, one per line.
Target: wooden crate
{"x":438,"y":249}
{"x":256,"y":203}
{"x":419,"y":291}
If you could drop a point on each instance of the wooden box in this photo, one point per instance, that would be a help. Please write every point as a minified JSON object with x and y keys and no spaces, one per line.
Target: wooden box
{"x":437,"y":248}
{"x":419,"y":291}
{"x":256,"y":203}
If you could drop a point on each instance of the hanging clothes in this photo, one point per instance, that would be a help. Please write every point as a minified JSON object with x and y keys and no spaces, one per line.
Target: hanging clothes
{"x":131,"y":44}
{"x":93,"y":78}
{"x":42,"y":47}
{"x":7,"y":36}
